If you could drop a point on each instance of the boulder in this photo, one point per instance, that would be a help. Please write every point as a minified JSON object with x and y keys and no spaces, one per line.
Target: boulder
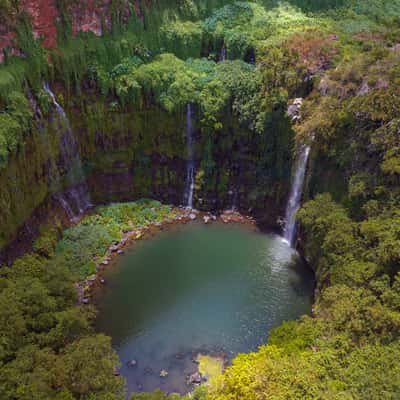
{"x":294,"y":109}
{"x":195,"y":378}
{"x":131,"y":363}
{"x":163,"y":373}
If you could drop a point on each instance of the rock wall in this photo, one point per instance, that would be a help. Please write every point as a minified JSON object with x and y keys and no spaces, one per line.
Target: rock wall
{"x":45,"y":15}
{"x":136,"y":153}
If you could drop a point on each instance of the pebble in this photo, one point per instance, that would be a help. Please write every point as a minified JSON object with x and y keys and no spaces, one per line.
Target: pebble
{"x":132,"y":363}
{"x":163,"y":373}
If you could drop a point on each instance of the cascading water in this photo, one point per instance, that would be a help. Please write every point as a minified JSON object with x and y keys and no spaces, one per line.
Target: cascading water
{"x":72,"y":164}
{"x":222,"y":54}
{"x":65,"y":206}
{"x":189,"y":187}
{"x":295,"y":193}
{"x":236,"y":188}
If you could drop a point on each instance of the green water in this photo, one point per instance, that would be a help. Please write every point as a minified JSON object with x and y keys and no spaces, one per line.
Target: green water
{"x":201,"y":288}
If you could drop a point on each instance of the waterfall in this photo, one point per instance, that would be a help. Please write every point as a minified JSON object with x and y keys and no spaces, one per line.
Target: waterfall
{"x":295,"y":193}
{"x":65,"y":206}
{"x":222,"y":53}
{"x":236,"y":187}
{"x":189,"y":186}
{"x":71,"y":163}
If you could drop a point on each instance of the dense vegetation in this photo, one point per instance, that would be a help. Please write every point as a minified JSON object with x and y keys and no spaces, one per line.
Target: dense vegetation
{"x":48,"y":347}
{"x":343,"y":57}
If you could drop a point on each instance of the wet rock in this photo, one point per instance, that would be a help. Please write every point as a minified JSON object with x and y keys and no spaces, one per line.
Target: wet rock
{"x":381,"y":84}
{"x":102,"y":281}
{"x":131,"y":363}
{"x":114,"y":248}
{"x":206,"y":219}
{"x":120,"y":252}
{"x":294,"y":109}
{"x":163,"y":373}
{"x":192,"y":216}
{"x":195,"y":378}
{"x":364,"y":89}
{"x":85,"y":300}
{"x":105,"y":262}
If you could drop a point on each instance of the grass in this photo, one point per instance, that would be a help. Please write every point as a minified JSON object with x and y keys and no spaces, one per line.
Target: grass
{"x":210,"y":366}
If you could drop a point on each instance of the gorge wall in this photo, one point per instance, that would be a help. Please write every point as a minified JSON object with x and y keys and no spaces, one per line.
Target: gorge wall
{"x":141,"y":153}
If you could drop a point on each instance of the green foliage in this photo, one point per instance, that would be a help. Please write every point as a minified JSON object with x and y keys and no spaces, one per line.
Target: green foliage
{"x":173,"y":83}
{"x":47,"y":349}
{"x":156,"y":395}
{"x":85,"y":244}
{"x":15,"y":123}
{"x":47,"y":346}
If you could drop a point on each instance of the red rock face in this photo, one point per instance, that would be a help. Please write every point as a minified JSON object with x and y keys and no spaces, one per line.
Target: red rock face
{"x":89,"y":15}
{"x":44,"y":15}
{"x":6,"y":40}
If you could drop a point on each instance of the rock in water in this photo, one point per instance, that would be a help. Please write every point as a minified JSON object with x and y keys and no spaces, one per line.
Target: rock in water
{"x":132,"y":363}
{"x":163,"y":373}
{"x":195,"y":378}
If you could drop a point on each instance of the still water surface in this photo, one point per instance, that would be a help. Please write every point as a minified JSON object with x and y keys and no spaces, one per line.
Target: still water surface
{"x":200,"y":288}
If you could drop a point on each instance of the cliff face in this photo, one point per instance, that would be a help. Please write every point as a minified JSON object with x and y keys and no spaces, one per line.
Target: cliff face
{"x":45,"y":15}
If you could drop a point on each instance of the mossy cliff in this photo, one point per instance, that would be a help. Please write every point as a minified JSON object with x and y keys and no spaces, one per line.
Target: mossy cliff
{"x":133,"y":153}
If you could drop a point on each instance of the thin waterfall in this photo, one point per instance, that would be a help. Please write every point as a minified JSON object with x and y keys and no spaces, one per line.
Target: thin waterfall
{"x":236,"y":188}
{"x":189,"y":186}
{"x":71,"y":162}
{"x":296,"y":193}
{"x":222,"y":53}
{"x":65,"y":206}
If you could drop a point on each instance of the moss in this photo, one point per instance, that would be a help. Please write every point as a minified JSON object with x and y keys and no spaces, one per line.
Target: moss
{"x":46,"y":242}
{"x":85,"y":244}
{"x":210,"y":366}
